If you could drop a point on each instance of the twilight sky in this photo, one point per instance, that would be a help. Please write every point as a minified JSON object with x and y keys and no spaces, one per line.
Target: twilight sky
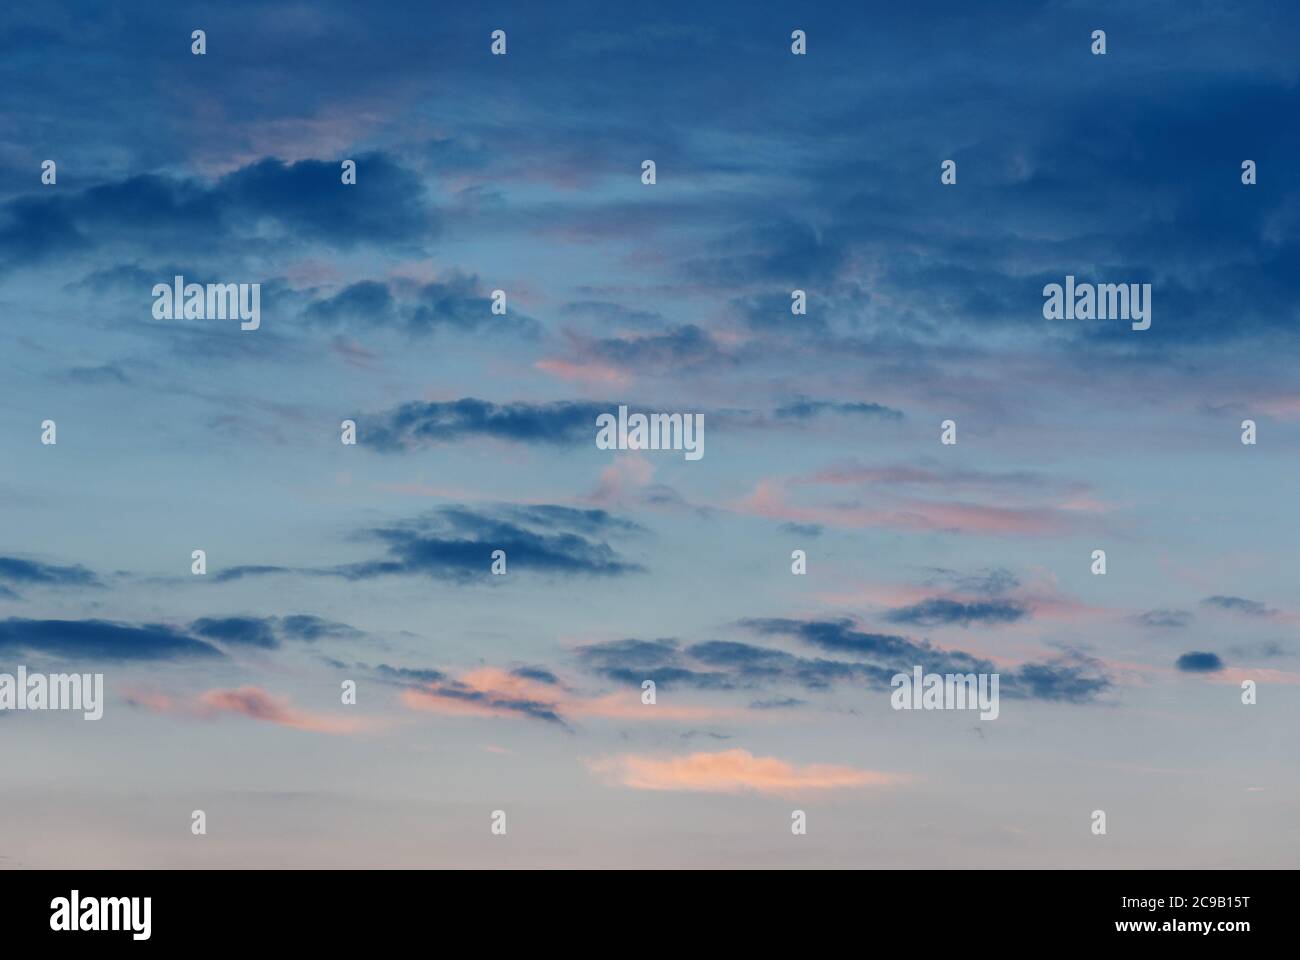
{"x":522,"y":692}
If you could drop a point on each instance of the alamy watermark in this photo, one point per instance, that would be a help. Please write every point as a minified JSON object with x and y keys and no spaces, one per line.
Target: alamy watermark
{"x":946,"y":691}
{"x":76,"y":913}
{"x":1101,"y":301}
{"x":213,"y":301}
{"x":655,"y":431}
{"x":55,"y":691}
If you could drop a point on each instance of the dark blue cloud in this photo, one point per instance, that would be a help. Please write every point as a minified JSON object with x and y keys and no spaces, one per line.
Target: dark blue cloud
{"x":14,"y":570}
{"x":385,"y":206}
{"x":410,"y":676}
{"x":804,"y":409}
{"x":239,"y":631}
{"x":732,"y":665}
{"x":1000,"y":90}
{"x":266,"y":203}
{"x":248,"y":570}
{"x":268,"y":632}
{"x":990,"y":582}
{"x":455,"y":690}
{"x":100,"y":640}
{"x":302,"y":626}
{"x":1164,"y":618}
{"x":1070,"y":677}
{"x":777,"y":703}
{"x":769,"y":313}
{"x":366,"y":301}
{"x":556,"y":517}
{"x":1198,"y":662}
{"x":1251,"y":608}
{"x":104,"y":373}
{"x":678,"y":348}
{"x":754,"y":666}
{"x":839,"y":636}
{"x":774,"y":247}
{"x":802,"y":529}
{"x":632,"y":661}
{"x":746,"y":666}
{"x":414,"y":425}
{"x":456,"y":543}
{"x":456,"y":304}
{"x":1062,"y":680}
{"x":540,"y":674}
{"x":940,"y":610}
{"x":460,"y":303}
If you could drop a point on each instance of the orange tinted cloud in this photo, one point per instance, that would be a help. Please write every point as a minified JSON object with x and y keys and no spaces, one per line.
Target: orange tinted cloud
{"x":628,"y":706}
{"x":257,"y":704}
{"x":733,"y":771}
{"x":487,"y":692}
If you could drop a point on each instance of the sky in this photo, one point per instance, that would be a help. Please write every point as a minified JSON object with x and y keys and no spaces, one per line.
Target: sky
{"x":370,"y":564}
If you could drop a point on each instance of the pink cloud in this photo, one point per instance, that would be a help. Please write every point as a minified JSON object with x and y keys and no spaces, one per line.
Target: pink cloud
{"x":769,"y":500}
{"x":1261,"y":676}
{"x":354,"y":354}
{"x":335,"y":127}
{"x":973,"y":518}
{"x":628,"y":706}
{"x":625,"y":475}
{"x":150,"y":700}
{"x":733,"y":771}
{"x":487,"y":692}
{"x":1283,"y":406}
{"x":254,"y":703}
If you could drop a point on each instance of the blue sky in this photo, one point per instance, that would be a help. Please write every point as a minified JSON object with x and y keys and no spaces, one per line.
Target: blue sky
{"x":522,"y":173}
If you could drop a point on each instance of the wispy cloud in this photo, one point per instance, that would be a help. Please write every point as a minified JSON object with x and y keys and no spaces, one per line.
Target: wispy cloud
{"x":256,"y":704}
{"x":941,"y":610}
{"x":771,"y":499}
{"x":805,"y":409}
{"x":1172,"y":619}
{"x":1250,"y":608}
{"x":538,"y":695}
{"x":253,"y":703}
{"x":17,"y":571}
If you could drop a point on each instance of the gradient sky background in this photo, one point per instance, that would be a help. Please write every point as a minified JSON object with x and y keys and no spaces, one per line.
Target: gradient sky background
{"x":521,"y":693}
